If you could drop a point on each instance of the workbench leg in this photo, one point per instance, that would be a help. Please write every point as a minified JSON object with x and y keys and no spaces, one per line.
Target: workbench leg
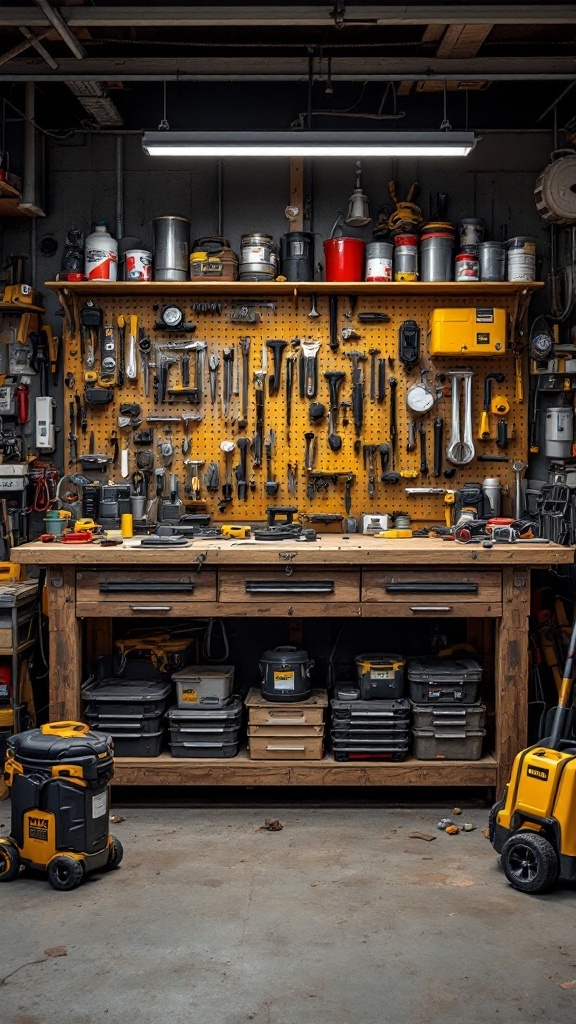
{"x":65,"y":645}
{"x":512,"y":670}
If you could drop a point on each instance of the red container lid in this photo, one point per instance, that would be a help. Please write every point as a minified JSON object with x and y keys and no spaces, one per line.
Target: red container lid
{"x":406,"y":240}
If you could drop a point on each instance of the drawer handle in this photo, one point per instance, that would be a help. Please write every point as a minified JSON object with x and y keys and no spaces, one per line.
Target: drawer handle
{"x":290,"y":587}
{"x":133,"y":587}
{"x":430,"y":607}
{"x":287,"y":721}
{"x":150,"y":607}
{"x":441,"y":587}
{"x":284,"y":748}
{"x":449,"y":713}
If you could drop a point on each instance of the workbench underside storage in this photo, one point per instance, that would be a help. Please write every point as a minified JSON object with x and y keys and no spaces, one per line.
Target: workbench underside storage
{"x":241,"y":771}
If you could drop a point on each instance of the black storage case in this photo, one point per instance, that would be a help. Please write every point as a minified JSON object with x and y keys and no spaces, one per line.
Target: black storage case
{"x":444,"y":680}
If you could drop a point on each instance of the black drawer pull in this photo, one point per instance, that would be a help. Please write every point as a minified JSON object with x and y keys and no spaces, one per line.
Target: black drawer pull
{"x":441,"y":587}
{"x":129,"y":587}
{"x":290,"y":587}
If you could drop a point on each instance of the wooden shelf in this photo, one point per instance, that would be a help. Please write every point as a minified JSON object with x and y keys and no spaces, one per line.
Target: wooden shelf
{"x":269,"y":288}
{"x":241,"y":771}
{"x":11,"y":203}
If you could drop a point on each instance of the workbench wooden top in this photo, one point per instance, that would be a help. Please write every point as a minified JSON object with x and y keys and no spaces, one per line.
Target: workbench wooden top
{"x":328,"y":549}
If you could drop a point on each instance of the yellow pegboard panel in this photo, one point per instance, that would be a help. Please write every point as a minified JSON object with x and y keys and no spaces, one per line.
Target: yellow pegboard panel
{"x":289,"y":320}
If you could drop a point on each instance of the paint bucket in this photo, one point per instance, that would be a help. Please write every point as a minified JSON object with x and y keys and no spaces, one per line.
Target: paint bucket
{"x":344,"y":259}
{"x":406,"y":258}
{"x":138,"y":265}
{"x":521,"y":258}
{"x":436,"y":256}
{"x":492,"y":256}
{"x":467,"y":267}
{"x":171,"y":248}
{"x":297,"y":256}
{"x":257,"y":257}
{"x":379,"y":261}
{"x":472,"y":231}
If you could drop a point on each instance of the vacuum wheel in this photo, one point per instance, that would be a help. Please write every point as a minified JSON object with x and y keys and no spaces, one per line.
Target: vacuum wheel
{"x":115,"y":853}
{"x":529,"y":862}
{"x":65,"y":873}
{"x":9,"y":862}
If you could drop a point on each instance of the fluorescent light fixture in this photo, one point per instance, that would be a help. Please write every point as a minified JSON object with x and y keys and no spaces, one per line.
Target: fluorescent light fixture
{"x":303,"y":143}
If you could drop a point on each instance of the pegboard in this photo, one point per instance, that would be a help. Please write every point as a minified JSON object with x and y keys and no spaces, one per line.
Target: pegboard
{"x":289,"y":320}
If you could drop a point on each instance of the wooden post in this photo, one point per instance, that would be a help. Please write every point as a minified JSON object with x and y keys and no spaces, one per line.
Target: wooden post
{"x":297,"y":191}
{"x":65,"y":645}
{"x":512,"y":670}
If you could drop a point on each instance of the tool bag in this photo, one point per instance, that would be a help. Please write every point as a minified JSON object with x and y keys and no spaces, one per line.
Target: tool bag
{"x":166,"y":649}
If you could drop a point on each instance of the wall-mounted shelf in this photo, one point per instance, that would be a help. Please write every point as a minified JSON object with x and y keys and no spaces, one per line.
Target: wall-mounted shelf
{"x":246,"y":288}
{"x":11,"y":204}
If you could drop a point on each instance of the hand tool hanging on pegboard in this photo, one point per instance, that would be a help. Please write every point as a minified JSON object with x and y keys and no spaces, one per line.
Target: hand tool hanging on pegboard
{"x":460,"y":448}
{"x":357,"y":390}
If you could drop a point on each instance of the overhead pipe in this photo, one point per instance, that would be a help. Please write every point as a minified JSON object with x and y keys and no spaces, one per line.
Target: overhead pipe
{"x":119,"y":187}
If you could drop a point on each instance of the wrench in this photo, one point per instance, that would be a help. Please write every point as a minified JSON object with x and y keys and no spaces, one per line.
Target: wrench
{"x":518,"y":468}
{"x":460,"y":450}
{"x":309,"y":351}
{"x":213,"y":364}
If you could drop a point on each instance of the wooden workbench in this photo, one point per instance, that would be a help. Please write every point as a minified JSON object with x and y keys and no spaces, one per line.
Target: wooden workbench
{"x":357,"y":577}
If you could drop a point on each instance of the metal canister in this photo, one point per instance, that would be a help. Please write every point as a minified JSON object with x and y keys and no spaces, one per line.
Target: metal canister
{"x":492,"y":256}
{"x":492,"y":491}
{"x":405,"y":257}
{"x":559,"y":432}
{"x":521,"y":258}
{"x":379,"y":261}
{"x":436,"y":256}
{"x":297,"y":256}
{"x":138,"y":265}
{"x":171,"y":248}
{"x":256,"y":257}
{"x":467,"y":267}
{"x":285,"y":675}
{"x":472,"y":231}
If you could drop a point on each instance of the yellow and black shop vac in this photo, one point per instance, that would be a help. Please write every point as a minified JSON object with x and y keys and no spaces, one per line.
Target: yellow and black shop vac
{"x":533,"y":826}
{"x":59,"y":777}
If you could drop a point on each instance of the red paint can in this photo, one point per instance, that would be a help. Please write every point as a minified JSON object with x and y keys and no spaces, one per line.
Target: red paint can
{"x":344,"y":259}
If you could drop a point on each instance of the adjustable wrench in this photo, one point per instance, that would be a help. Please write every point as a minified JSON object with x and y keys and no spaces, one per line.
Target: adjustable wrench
{"x":460,"y":449}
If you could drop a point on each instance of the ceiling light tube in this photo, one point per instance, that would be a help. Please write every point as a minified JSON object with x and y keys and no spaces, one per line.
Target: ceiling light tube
{"x":318,"y":144}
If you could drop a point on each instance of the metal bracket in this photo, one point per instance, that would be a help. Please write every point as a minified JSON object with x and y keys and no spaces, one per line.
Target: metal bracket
{"x":57,"y":581}
{"x":520,"y":580}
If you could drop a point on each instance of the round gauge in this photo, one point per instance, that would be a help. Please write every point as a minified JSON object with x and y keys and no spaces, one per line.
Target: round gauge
{"x":420,"y":399}
{"x":172,"y":316}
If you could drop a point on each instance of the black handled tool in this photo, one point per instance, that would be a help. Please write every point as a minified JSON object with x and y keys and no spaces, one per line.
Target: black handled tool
{"x":381,"y":380}
{"x":393,"y":423}
{"x":335,"y":380}
{"x":423,"y":457}
{"x":438,"y":433}
{"x":277,"y":346}
{"x":333,"y":307}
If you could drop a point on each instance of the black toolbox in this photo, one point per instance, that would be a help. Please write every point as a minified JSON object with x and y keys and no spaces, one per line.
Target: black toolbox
{"x":345,"y":749}
{"x":372,"y":713}
{"x":205,"y":732}
{"x":444,"y":680}
{"x":130,"y":706}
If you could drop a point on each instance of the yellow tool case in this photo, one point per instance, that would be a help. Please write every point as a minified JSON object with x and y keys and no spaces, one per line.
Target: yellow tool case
{"x":479,"y":331}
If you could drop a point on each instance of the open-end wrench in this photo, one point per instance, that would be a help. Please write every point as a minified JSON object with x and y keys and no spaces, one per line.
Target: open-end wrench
{"x":460,"y":449}
{"x":309,"y":350}
{"x":518,"y":468}
{"x":213,"y":364}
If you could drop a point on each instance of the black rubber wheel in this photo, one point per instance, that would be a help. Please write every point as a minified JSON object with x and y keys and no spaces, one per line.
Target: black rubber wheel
{"x":115,"y":853}
{"x":65,"y":873}
{"x":494,"y":812}
{"x":9,"y":862}
{"x":529,"y":862}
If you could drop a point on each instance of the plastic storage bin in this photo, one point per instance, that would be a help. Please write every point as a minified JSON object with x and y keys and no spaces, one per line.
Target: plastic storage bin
{"x":446,"y":743}
{"x":200,"y":731}
{"x":380,"y":676}
{"x":204,"y":685}
{"x":430,"y":716}
{"x":444,"y":680}
{"x":369,"y":750}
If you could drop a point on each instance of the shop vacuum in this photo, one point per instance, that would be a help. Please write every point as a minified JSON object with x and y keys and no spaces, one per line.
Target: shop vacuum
{"x":59,"y":777}
{"x":533,"y":826}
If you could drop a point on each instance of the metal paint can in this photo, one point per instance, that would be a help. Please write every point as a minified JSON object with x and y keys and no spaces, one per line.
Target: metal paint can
{"x":467,"y":267}
{"x":344,"y":259}
{"x":406,"y":257}
{"x":257,"y":257}
{"x":171,"y":248}
{"x":379,"y":261}
{"x":436,"y":256}
{"x":472,"y":231}
{"x":521,"y":258}
{"x":492,"y":256}
{"x":138,"y":265}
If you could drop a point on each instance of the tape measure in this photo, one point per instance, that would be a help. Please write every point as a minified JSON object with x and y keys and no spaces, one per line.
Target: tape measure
{"x":232,"y":530}
{"x":394,"y":534}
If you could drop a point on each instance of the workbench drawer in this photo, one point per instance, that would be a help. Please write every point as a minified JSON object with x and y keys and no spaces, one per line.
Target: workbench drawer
{"x":289,"y":584}
{"x":149,"y":592}
{"x":414,"y":593}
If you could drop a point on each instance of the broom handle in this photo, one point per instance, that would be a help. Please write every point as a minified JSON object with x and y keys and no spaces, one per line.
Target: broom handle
{"x":560,"y":717}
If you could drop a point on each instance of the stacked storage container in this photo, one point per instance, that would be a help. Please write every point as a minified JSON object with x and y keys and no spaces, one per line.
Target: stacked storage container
{"x":371,"y":722}
{"x":130,"y":707}
{"x":207,"y":718}
{"x":448,"y":722}
{"x":286,"y":732}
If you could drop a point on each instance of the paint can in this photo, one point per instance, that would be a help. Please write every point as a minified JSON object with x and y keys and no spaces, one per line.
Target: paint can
{"x":171,"y":248}
{"x":344,"y":259}
{"x":138,"y":265}
{"x":406,"y":258}
{"x":297,"y":256}
{"x":472,"y":231}
{"x":467,"y":267}
{"x":379,"y":261}
{"x":436,"y":256}
{"x":100,"y":254}
{"x":257,"y":257}
{"x":492,"y":256}
{"x":521,"y":258}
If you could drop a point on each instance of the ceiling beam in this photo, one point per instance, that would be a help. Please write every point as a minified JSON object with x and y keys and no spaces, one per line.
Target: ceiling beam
{"x":463,"y":40}
{"x":26,"y":43}
{"x":62,"y":29}
{"x":35,"y":42}
{"x":164,"y":15}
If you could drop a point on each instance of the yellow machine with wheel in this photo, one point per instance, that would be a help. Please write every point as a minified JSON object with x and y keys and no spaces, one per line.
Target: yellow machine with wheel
{"x":59,"y":777}
{"x":533,"y":826}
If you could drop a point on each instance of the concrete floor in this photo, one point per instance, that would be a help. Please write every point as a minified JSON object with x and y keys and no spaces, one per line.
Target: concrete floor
{"x":340,"y":918}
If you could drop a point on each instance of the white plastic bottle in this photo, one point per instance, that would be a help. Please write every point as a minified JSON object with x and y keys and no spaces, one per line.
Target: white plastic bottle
{"x":100,"y":254}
